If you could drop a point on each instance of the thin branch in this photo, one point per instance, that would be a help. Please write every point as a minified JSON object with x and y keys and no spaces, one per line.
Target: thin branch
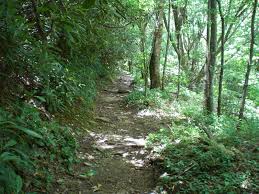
{"x":170,"y":37}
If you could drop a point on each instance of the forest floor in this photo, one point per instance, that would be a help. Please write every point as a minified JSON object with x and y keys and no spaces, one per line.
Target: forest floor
{"x":113,"y":154}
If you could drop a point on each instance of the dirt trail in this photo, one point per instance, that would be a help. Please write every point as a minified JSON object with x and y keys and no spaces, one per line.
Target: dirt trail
{"x":116,"y":161}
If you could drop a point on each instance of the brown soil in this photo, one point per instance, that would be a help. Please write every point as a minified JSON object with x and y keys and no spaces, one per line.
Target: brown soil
{"x":114,"y":158}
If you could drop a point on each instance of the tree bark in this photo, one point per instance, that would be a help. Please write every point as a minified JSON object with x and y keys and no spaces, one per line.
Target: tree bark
{"x":3,"y":39}
{"x":143,"y":27}
{"x":210,"y":66}
{"x":249,"y":64}
{"x":167,"y":44}
{"x":154,"y":65}
{"x":179,"y":20}
{"x":222,"y":57}
{"x":130,"y":66}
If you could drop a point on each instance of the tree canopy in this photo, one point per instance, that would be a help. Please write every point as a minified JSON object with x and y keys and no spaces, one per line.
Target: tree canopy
{"x":196,"y":59}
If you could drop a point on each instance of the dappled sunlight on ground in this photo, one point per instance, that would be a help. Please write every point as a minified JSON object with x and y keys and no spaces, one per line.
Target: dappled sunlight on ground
{"x":137,"y":163}
{"x":119,"y":140}
{"x":115,"y":146}
{"x":159,"y":113}
{"x":130,"y":148}
{"x":147,"y":113}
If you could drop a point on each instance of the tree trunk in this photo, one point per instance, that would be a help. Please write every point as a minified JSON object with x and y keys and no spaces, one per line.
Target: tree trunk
{"x":130,"y":66}
{"x":62,"y":42}
{"x":143,"y":27}
{"x":222,"y":57}
{"x":212,"y":44}
{"x":179,"y":20}
{"x":178,"y":76}
{"x":167,"y":44}
{"x":154,"y":65}
{"x":3,"y":39}
{"x":249,"y":64}
{"x":39,"y":28}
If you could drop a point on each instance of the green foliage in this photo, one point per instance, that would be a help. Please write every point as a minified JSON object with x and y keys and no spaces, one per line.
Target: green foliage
{"x":14,"y":134}
{"x":10,"y":182}
{"x":52,"y":54}
{"x":22,"y":131}
{"x":65,"y":86}
{"x":88,"y":174}
{"x":254,"y":94}
{"x":195,"y":164}
{"x":154,"y":98}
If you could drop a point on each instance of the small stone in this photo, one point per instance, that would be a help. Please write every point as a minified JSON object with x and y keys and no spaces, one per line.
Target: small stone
{"x":119,"y":153}
{"x":60,"y":181}
{"x":87,"y":164}
{"x":91,"y":122}
{"x":123,"y":90}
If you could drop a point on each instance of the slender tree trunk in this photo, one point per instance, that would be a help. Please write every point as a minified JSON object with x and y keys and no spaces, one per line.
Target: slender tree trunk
{"x":38,"y":25}
{"x":5,"y":13}
{"x":130,"y":66}
{"x":249,"y":64}
{"x":154,"y":65}
{"x":178,"y":76}
{"x":210,"y":66}
{"x":167,"y":44}
{"x":3,"y":50}
{"x":222,"y":57}
{"x":62,"y":42}
{"x":178,"y":26}
{"x":179,"y":20}
{"x":142,"y":27}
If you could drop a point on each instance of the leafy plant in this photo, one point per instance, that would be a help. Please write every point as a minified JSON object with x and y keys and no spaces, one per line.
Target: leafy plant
{"x":154,"y":98}
{"x":20,"y":133}
{"x":195,"y":164}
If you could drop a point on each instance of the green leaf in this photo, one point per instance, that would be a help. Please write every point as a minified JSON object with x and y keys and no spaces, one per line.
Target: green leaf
{"x":40,"y":98}
{"x":7,"y":156}
{"x":18,"y":184}
{"x":29,"y":132}
{"x":88,"y":4}
{"x":91,"y":172}
{"x":10,"y":182}
{"x":10,"y":143}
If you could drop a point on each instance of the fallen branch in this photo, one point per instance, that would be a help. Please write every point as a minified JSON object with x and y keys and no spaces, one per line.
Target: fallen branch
{"x":187,"y":169}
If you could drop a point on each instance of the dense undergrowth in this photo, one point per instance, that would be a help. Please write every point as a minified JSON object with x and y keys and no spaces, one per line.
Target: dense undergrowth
{"x":193,"y":163}
{"x":190,"y":161}
{"x":53,"y":54}
{"x":33,"y":144}
{"x":52,"y":57}
{"x":30,"y":146}
{"x":154,"y":98}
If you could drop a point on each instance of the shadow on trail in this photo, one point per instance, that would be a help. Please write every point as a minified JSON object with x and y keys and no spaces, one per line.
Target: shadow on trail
{"x":115,"y":149}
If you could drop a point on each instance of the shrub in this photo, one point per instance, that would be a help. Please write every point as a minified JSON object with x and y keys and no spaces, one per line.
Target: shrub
{"x":195,"y":164}
{"x":154,"y":98}
{"x":26,"y":140}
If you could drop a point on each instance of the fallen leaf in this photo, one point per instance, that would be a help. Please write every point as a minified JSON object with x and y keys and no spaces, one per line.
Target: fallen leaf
{"x":97,"y":187}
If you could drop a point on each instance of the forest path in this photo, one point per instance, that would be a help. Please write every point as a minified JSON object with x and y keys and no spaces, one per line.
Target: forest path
{"x":116,"y":161}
